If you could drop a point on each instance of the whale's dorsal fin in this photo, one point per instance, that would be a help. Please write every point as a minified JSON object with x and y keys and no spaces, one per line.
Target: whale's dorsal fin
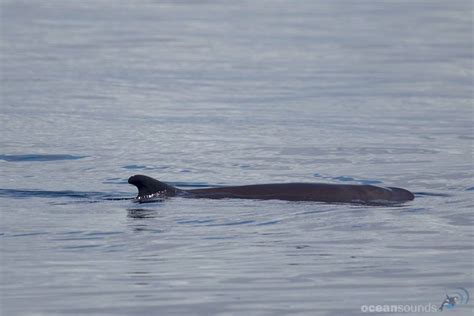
{"x":147,"y":186}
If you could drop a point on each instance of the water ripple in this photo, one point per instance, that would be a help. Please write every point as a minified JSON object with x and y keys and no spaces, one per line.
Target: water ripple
{"x":19,"y":194}
{"x":38,"y":157}
{"x":234,"y":223}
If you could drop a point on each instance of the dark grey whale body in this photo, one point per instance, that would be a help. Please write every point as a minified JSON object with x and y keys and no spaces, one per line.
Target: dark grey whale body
{"x":149,"y":188}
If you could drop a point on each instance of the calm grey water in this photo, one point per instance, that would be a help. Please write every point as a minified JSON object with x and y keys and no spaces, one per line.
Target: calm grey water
{"x":202,"y":93}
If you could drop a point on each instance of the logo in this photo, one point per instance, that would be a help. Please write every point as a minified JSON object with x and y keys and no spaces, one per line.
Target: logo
{"x":455,"y":297}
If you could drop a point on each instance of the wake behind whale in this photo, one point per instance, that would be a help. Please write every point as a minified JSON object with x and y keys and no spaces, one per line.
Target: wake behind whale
{"x":150,"y":188}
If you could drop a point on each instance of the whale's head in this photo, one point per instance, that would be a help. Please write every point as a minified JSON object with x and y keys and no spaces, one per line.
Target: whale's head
{"x":399,"y":194}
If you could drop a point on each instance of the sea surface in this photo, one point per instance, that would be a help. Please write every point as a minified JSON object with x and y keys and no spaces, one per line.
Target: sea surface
{"x":215,"y":93}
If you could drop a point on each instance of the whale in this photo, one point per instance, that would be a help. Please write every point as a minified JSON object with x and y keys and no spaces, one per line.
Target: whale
{"x":149,"y":189}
